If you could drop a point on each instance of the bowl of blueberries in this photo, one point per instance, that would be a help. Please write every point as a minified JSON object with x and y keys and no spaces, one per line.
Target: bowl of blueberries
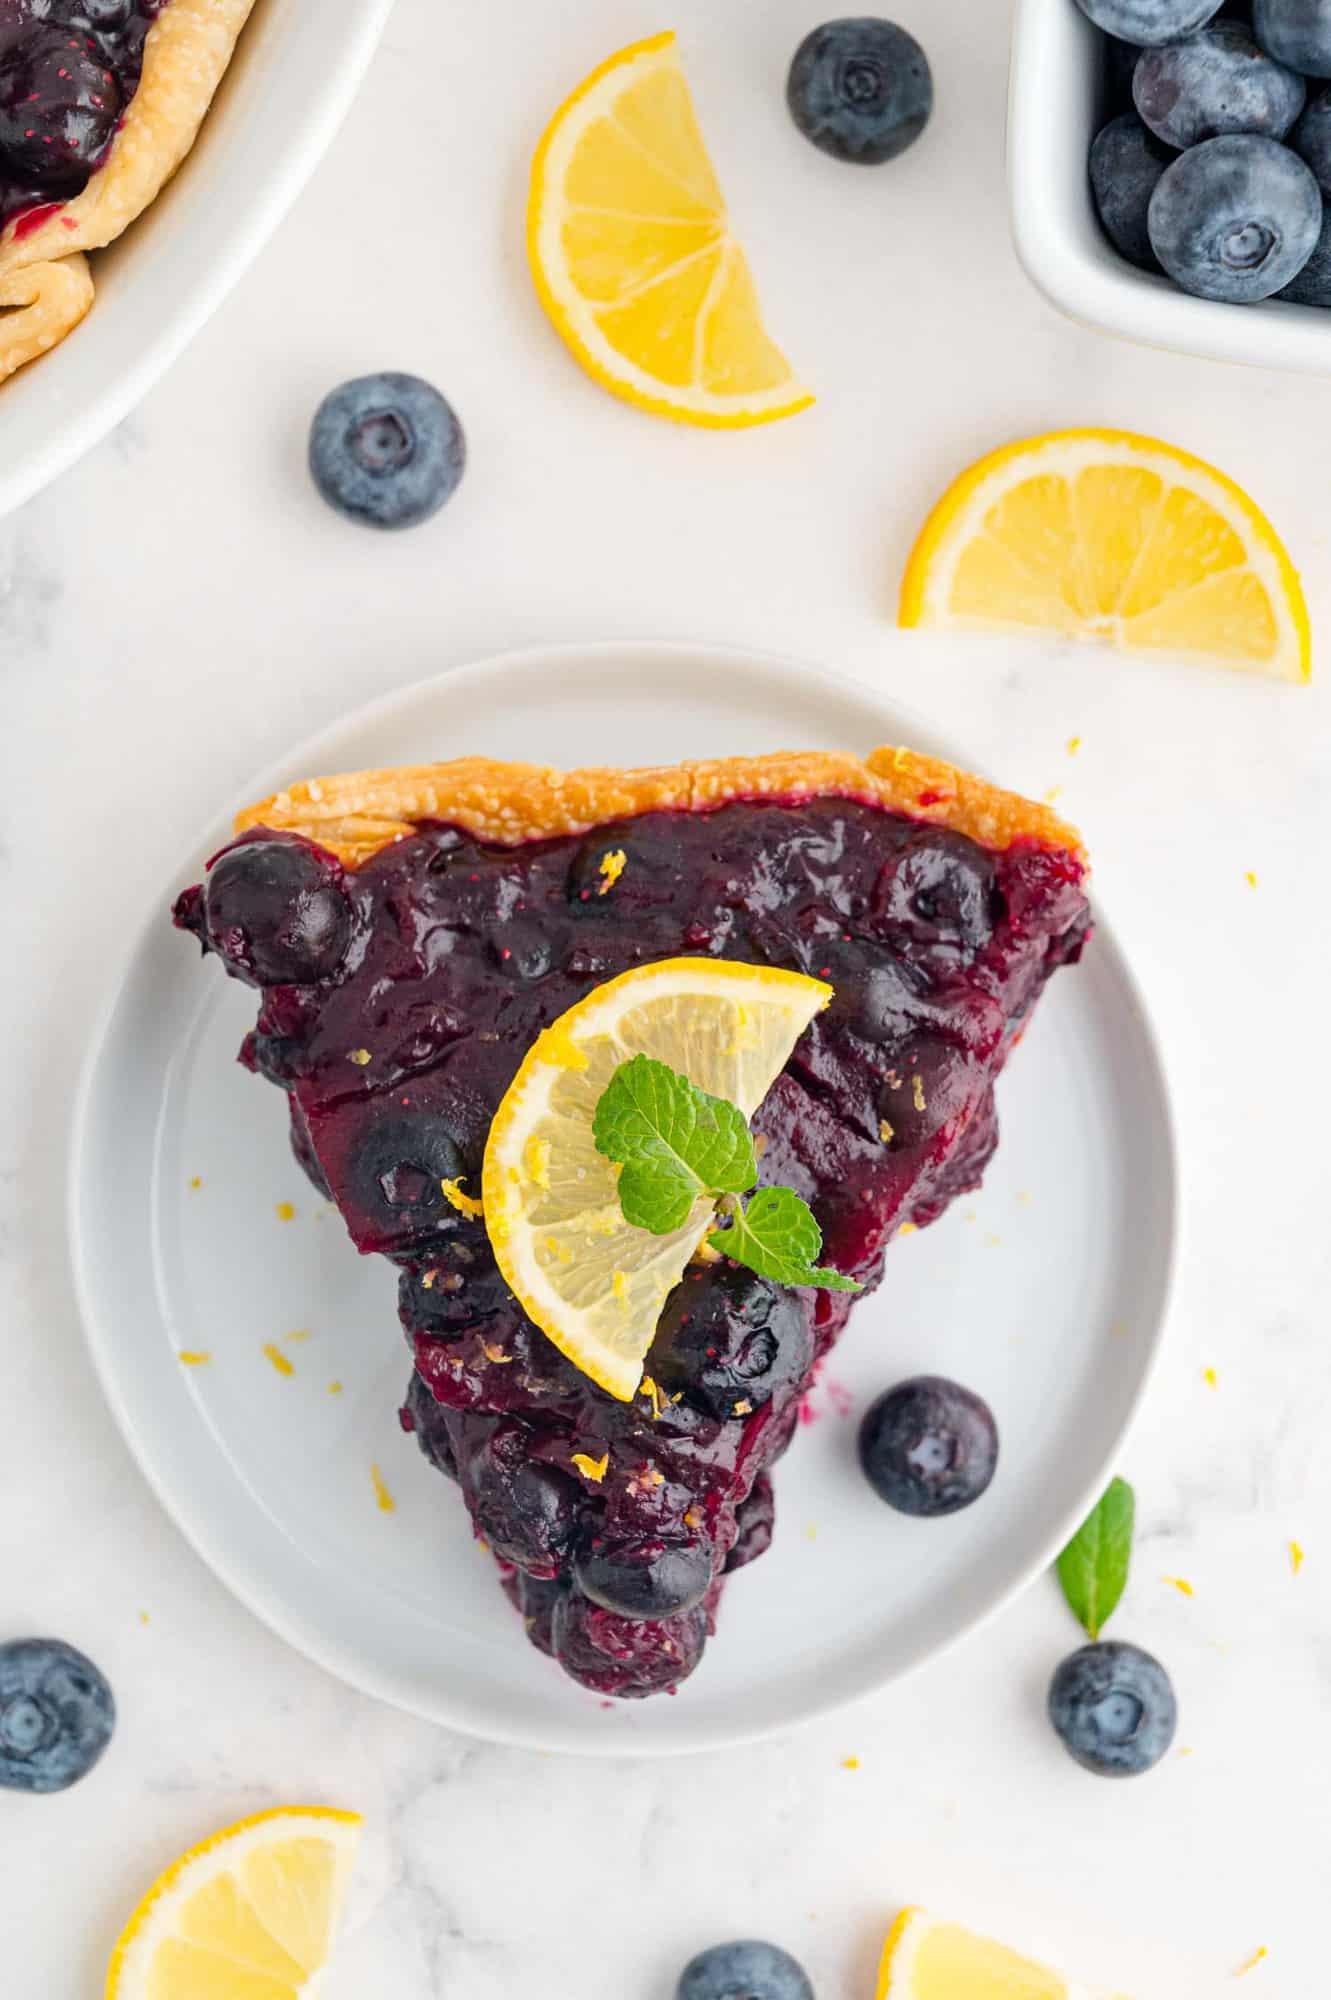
{"x":1170,"y":171}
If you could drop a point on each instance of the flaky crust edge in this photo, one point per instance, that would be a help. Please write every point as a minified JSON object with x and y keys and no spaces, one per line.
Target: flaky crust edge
{"x":360,"y":812}
{"x":42,"y":273}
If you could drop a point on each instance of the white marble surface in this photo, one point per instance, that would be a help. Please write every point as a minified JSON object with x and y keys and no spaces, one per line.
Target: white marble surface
{"x":181,"y":607}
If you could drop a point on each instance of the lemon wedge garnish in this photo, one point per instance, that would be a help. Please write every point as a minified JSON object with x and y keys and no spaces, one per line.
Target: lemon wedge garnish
{"x":249,"y":1915}
{"x":633,"y":256}
{"x":1106,"y":535}
{"x":590,"y":1280}
{"x":928,"y":1959}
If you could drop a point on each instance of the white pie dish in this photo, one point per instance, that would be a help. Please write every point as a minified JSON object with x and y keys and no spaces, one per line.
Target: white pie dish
{"x":1047,"y":1292}
{"x":289,"y":84}
{"x":1057,"y":104}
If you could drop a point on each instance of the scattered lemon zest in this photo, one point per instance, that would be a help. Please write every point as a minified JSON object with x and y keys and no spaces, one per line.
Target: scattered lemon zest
{"x":650,"y":1476}
{"x":917,"y":1092}
{"x":1054,"y":792}
{"x":387,"y":1504}
{"x":1186,"y":1750}
{"x":594,"y":1469}
{"x":196,"y":1181}
{"x":361,"y":1057}
{"x":427,"y":1281}
{"x":1296,"y":1557}
{"x":537,"y":1161}
{"x":693,"y":1517}
{"x":909,"y":1229}
{"x":282,"y":1362}
{"x":144,"y":1619}
{"x":1181,"y":1584}
{"x":648,"y":1388}
{"x":1251,"y":1964}
{"x":494,"y":1353}
{"x":1211,"y":1379}
{"x":1250,"y":877}
{"x":286,"y":1211}
{"x":850,"y":1763}
{"x":1074,"y":745}
{"x":743,"y":1408}
{"x":992,"y":1242}
{"x":465,"y":1204}
{"x":612,"y":866}
{"x":811,"y":1531}
{"x":335,"y":1388}
{"x":886,"y":1132}
{"x":299,"y":1334}
{"x":195,"y":1357}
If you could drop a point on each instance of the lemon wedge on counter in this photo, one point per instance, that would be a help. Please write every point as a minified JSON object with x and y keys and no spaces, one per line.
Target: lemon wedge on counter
{"x":928,"y":1959}
{"x":249,"y":1915}
{"x":1106,"y":535}
{"x":590,"y":1280}
{"x":633,"y":255}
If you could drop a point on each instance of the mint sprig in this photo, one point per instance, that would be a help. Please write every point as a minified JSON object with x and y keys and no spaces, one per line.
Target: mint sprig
{"x":677,"y":1145}
{"x":1093,"y":1568}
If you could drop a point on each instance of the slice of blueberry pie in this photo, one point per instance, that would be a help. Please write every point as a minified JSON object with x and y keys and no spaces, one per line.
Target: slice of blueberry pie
{"x":422,"y":940}
{"x":100,"y":101}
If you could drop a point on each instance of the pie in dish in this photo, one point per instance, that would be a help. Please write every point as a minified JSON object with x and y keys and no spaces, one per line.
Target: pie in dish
{"x":100,"y":101}
{"x":412,"y":932}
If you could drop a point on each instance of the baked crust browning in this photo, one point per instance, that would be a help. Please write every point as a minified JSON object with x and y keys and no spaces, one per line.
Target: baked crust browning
{"x":185,"y":57}
{"x":360,"y":812}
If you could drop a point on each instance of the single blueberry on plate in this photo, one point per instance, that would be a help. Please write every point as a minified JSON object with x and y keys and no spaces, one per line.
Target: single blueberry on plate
{"x":929,"y":1447}
{"x":1297,"y":32}
{"x":860,"y":89}
{"x":1114,"y":1708}
{"x":745,"y":1970}
{"x":1311,"y":139}
{"x":387,"y":450}
{"x":1126,"y":163}
{"x":1149,"y":22}
{"x":57,"y":1715}
{"x":1235,"y":218}
{"x":1217,"y":81}
{"x":1312,"y":287}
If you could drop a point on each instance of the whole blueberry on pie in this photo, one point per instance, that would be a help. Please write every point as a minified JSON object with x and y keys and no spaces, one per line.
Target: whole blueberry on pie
{"x":100,"y":101}
{"x":467,"y":973}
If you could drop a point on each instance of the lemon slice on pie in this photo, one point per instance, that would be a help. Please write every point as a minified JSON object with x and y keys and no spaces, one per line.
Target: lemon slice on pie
{"x":633,"y":255}
{"x":590,"y":1280}
{"x":1106,"y":535}
{"x":248,"y":1915}
{"x":928,"y":1959}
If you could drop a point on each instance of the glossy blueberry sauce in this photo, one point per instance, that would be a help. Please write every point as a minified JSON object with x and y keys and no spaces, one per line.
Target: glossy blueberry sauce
{"x":397,"y":1002}
{"x":68,"y":70}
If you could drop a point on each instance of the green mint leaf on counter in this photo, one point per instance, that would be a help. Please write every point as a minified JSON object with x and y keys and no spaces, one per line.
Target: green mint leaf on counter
{"x":778,"y":1237}
{"x":1093,"y":1568}
{"x":674,"y":1142}
{"x":676,"y":1145}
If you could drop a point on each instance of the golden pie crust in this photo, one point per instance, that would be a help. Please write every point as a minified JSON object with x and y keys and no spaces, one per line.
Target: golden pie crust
{"x":45,"y":285}
{"x":356,"y":814}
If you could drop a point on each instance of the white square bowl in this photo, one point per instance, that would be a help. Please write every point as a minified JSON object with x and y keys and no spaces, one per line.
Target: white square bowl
{"x":1058,"y":102}
{"x":292,"y":79}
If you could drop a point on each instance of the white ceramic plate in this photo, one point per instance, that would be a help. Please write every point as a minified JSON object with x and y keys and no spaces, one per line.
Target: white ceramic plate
{"x":1046,"y":1292}
{"x":288,"y":87}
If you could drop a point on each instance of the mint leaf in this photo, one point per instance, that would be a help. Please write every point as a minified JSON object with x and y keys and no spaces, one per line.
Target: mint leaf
{"x":778,"y":1237}
{"x":674,"y":1141}
{"x":1093,"y":1568}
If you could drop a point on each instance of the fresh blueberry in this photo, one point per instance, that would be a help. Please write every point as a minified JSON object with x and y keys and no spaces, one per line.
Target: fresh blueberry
{"x":526,"y":1510}
{"x":1235,"y":218}
{"x":1312,"y":287}
{"x":755,"y":1520}
{"x":728,"y":1338}
{"x":1149,"y":22}
{"x":929,"y":1447}
{"x":427,"y":1421}
{"x":861,"y":90}
{"x":1126,"y":163}
{"x":394,"y":1173}
{"x":57,"y":1715}
{"x":1311,"y":139}
{"x":1218,"y":81}
{"x":386,"y":450}
{"x":744,"y":1971}
{"x":645,"y":1579}
{"x":1297,"y":32}
{"x":1114,"y":1708}
{"x":59,"y":106}
{"x":276,"y":912}
{"x":935,"y":901}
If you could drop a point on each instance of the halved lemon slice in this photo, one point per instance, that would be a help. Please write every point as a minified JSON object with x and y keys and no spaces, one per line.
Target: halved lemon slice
{"x":1106,"y":535}
{"x":589,"y":1279}
{"x":248,"y":1915}
{"x":633,"y":257}
{"x":928,"y":1959}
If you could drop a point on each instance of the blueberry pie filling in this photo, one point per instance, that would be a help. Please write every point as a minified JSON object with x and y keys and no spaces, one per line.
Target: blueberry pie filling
{"x":410,"y":934}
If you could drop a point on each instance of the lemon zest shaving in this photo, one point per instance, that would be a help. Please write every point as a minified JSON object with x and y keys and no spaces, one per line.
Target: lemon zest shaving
{"x":1296,"y":1557}
{"x":1251,"y":1964}
{"x":286,"y":1211}
{"x":465,"y":1204}
{"x":594,"y":1469}
{"x":495,"y":1354}
{"x":387,"y":1504}
{"x":612,"y":866}
{"x":648,"y":1388}
{"x":1211,"y":1379}
{"x":361,"y":1057}
{"x":282,"y":1362}
{"x":1181,"y":1584}
{"x":194,"y":1357}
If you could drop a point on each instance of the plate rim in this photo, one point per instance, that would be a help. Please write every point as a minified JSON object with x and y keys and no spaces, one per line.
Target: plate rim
{"x":255,"y":1594}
